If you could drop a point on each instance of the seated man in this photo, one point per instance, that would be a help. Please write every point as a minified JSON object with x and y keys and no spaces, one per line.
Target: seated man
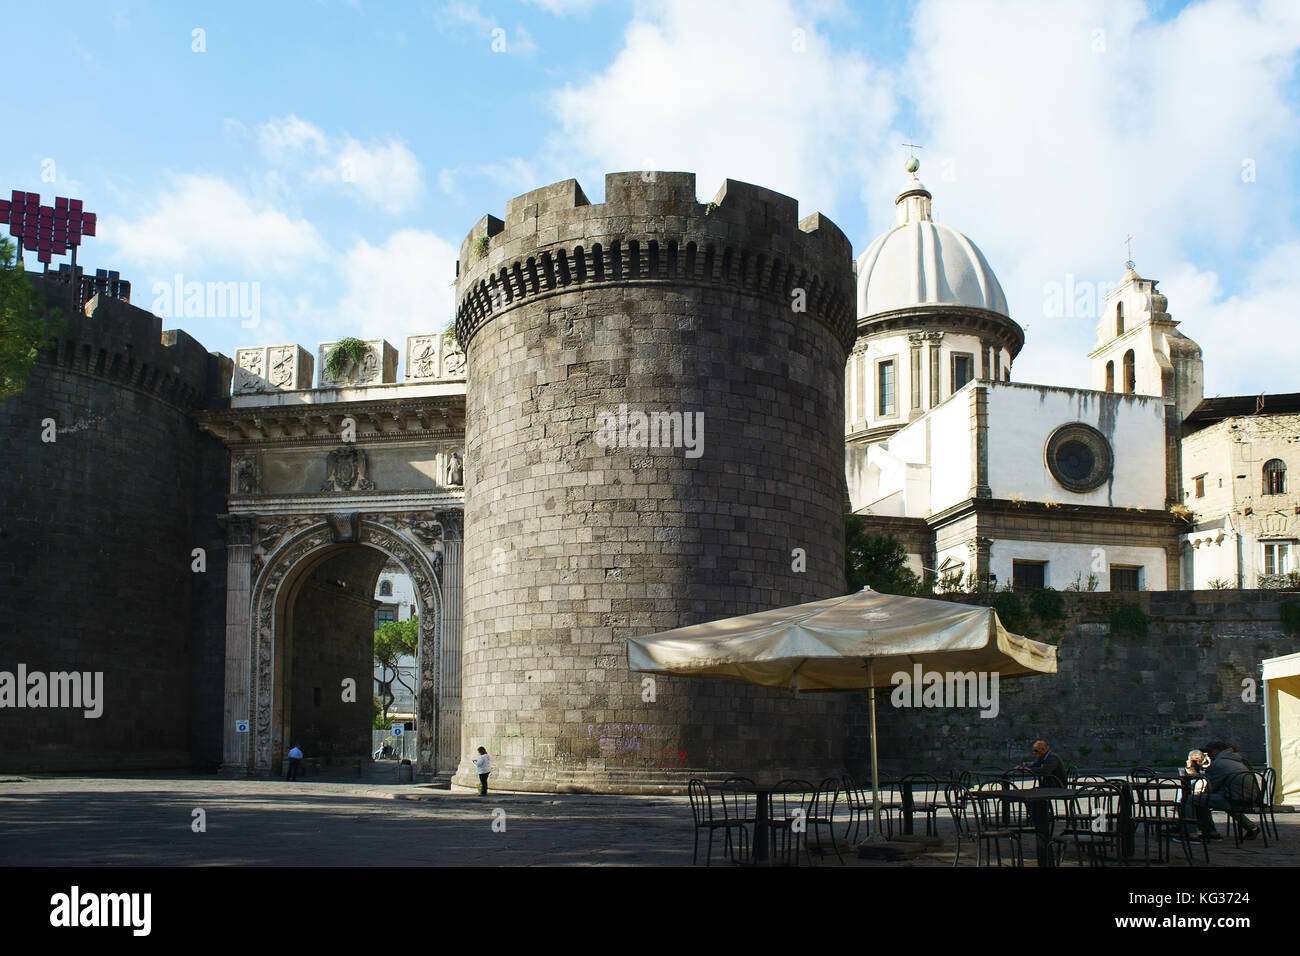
{"x":1217,"y":764}
{"x":1047,"y":765}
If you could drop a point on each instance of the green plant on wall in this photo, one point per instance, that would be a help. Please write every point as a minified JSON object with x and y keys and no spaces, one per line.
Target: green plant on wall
{"x":1047,"y":605}
{"x":1128,"y":621}
{"x":26,"y":326}
{"x":481,"y":247}
{"x":345,"y":351}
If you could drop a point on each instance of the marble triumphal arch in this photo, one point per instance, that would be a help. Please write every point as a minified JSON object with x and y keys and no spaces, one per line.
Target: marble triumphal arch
{"x":327,"y":486}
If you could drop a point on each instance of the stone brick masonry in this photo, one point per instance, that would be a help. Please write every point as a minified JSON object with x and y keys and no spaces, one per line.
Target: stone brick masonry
{"x":658,"y":302}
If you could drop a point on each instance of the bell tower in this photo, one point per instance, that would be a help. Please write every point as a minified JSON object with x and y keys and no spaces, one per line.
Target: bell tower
{"x":1140,"y":351}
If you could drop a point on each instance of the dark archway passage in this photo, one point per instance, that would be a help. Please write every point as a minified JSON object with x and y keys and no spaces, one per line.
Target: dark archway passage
{"x":330,"y":624}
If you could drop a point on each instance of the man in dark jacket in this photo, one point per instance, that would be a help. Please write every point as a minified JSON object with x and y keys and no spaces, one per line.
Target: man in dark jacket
{"x":1224,"y":791}
{"x":1049,"y":767}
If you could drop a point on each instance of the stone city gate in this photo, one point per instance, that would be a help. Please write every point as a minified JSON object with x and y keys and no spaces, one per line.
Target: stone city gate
{"x":327,"y":485}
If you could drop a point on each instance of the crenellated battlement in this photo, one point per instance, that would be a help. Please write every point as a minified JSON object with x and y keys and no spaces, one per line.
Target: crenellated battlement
{"x":114,"y":340}
{"x":652,"y":229}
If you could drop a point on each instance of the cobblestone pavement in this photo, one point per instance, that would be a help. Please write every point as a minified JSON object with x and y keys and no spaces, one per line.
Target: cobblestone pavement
{"x":64,"y":821}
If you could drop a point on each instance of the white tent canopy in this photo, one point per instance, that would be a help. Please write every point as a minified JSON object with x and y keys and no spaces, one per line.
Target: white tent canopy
{"x":1282,"y":724}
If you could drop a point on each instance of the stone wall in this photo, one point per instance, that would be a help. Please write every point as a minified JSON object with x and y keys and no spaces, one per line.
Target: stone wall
{"x":1117,"y":701}
{"x":97,"y":530}
{"x":659,"y":303}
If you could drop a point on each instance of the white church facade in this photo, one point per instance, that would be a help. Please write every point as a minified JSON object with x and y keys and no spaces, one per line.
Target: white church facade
{"x":989,"y":482}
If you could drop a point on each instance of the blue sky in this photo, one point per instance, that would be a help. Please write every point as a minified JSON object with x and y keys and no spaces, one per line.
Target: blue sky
{"x":333,"y":155}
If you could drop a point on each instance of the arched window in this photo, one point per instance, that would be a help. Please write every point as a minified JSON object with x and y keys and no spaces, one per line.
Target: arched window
{"x":1119,"y":318}
{"x":1275,"y":477}
{"x":1130,"y":372}
{"x":1110,"y":376}
{"x":385,"y":588}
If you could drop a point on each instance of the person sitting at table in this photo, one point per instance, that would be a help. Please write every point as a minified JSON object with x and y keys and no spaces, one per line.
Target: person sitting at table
{"x":1216,"y":764}
{"x":1047,"y":765}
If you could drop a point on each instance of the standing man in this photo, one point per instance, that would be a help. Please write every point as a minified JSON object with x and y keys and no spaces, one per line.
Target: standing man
{"x":1049,"y":767}
{"x":295,"y":758}
{"x":484,"y":766}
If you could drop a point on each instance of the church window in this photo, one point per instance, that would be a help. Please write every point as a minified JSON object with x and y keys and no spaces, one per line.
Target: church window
{"x":1079,"y":457}
{"x":963,"y":369}
{"x":1130,"y":373}
{"x":385,"y":588}
{"x":886,"y":379}
{"x":1125,"y":578}
{"x":1275,"y":477}
{"x":383,"y":616}
{"x":1200,"y":486}
{"x":1119,"y":318}
{"x":1110,"y":376}
{"x":1028,"y":575}
{"x":1277,"y":557}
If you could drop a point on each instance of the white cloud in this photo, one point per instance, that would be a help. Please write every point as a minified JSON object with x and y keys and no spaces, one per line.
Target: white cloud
{"x":1068,"y":126}
{"x":283,"y":138}
{"x":402,"y":287}
{"x":1239,"y":362}
{"x":201,"y":223}
{"x":385,"y":174}
{"x":699,"y":88}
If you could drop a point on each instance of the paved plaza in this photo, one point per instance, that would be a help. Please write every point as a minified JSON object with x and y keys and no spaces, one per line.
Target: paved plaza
{"x":82,"y":821}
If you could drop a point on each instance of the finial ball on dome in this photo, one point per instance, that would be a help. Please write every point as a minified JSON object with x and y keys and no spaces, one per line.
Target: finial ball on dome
{"x":913,"y":164}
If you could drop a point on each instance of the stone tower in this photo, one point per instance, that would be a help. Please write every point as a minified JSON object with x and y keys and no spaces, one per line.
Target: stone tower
{"x":732,"y":320}
{"x":109,"y":487}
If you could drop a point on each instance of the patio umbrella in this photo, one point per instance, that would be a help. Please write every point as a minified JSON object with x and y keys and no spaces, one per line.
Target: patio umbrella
{"x":854,"y":642}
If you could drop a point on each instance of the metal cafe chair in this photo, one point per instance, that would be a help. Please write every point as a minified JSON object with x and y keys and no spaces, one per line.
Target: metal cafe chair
{"x":927,"y":798}
{"x":961,"y":808}
{"x":709,"y":815}
{"x":790,"y":804}
{"x":821,"y":813}
{"x":857,"y":801}
{"x":998,"y":820}
{"x":740,"y":805}
{"x":1093,"y":824}
{"x":1244,"y":792}
{"x":1268,"y":795}
{"x":1158,"y":810}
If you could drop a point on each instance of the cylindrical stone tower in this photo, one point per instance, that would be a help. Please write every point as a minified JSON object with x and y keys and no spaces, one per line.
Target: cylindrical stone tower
{"x":654,"y":438}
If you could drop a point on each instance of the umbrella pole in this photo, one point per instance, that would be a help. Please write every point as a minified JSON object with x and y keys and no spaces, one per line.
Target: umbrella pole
{"x":875,"y":769}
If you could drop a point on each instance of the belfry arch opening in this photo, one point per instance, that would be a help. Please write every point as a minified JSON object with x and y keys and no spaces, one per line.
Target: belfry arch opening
{"x":325,"y":656}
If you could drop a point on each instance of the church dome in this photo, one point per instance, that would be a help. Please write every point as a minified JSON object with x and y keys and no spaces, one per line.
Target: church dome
{"x":921,"y":263}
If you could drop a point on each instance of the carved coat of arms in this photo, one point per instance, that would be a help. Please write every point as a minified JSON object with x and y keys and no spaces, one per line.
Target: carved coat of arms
{"x":345,"y":470}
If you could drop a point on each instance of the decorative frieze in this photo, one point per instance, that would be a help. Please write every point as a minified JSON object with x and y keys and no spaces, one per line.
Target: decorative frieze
{"x":272,"y":368}
{"x":377,"y":367}
{"x":434,"y":358}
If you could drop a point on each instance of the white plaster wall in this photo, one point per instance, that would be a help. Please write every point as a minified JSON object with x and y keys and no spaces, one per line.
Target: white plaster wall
{"x":1209,"y":556}
{"x":1021,"y":418}
{"x":952,"y":471}
{"x":1066,"y":562}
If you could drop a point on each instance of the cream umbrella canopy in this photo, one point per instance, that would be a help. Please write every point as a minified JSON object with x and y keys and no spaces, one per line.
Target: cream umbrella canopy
{"x":854,"y":642}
